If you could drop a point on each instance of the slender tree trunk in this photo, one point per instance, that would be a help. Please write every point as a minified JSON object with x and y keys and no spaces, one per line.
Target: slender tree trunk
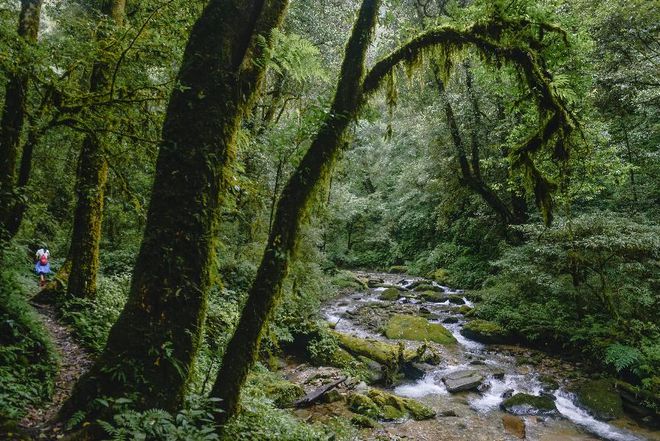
{"x":90,"y":184}
{"x":468,"y":171}
{"x":313,"y":172}
{"x":152,"y":346}
{"x":13,"y":113}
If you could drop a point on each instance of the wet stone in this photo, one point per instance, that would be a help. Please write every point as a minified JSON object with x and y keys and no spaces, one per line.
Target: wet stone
{"x":463,"y":380}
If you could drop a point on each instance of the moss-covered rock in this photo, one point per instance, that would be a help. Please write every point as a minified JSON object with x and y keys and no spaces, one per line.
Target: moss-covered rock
{"x":383,"y":353}
{"x":363,"y":405}
{"x":526,"y":404}
{"x":433,"y":296}
{"x":348,"y":280}
{"x":484,"y":331}
{"x":455,"y":299}
{"x":363,"y":421}
{"x":270,"y":384}
{"x":601,"y":399}
{"x":394,"y":407}
{"x":549,"y":382}
{"x":417,"y":328}
{"x":465,"y":310}
{"x":389,"y":294}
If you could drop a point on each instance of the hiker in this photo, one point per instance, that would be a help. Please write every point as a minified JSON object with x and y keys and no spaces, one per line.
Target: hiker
{"x":42,"y":267}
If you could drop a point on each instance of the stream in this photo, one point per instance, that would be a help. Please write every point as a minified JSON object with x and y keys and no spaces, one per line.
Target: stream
{"x":477,"y":415}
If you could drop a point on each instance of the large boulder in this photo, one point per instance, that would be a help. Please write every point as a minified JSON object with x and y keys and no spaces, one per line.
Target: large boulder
{"x":389,"y":294}
{"x":417,"y":328}
{"x":433,"y":296}
{"x":463,"y":380}
{"x":601,"y":399}
{"x":484,"y":331}
{"x":378,"y":404}
{"x":526,"y":404}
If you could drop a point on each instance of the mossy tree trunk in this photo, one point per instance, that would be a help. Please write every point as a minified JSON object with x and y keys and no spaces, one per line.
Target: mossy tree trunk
{"x":13,"y":115}
{"x":152,"y":346}
{"x":92,"y":175}
{"x":312,"y":173}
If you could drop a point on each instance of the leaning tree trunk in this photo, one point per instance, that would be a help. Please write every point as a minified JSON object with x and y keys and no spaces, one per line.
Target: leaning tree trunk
{"x":13,"y":113}
{"x":313,"y":171}
{"x":152,"y":346}
{"x":90,"y":184}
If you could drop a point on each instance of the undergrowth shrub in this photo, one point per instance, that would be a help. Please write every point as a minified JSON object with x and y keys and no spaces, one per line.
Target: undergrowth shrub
{"x":92,"y":319}
{"x":586,"y":286}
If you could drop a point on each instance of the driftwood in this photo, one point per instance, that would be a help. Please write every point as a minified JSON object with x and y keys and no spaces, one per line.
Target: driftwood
{"x":317,"y":393}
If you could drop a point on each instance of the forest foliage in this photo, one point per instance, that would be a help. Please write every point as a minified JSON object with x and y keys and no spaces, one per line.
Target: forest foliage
{"x":518,"y":159}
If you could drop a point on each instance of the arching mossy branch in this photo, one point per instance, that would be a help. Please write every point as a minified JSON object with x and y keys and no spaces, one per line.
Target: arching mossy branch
{"x":499,"y":41}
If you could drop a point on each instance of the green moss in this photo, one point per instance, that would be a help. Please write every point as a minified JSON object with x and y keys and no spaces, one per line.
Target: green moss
{"x":363,"y":405}
{"x":484,"y":331}
{"x":394,"y":407}
{"x":433,"y":296}
{"x":456,"y":299}
{"x":363,"y":421}
{"x":465,"y":309}
{"x":417,"y":328}
{"x":526,"y":404}
{"x":269,"y":384}
{"x":376,"y":350}
{"x":348,"y":280}
{"x":600,"y":397}
{"x":390,"y":294}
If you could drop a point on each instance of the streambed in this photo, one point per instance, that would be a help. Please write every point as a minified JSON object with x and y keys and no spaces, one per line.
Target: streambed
{"x":507,"y":370}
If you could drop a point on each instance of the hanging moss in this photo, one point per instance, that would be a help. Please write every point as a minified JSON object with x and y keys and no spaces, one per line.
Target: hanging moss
{"x":499,"y":40}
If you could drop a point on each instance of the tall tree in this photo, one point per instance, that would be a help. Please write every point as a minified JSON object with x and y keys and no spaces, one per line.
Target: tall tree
{"x":152,"y":346}
{"x":13,"y":114}
{"x":92,"y":175}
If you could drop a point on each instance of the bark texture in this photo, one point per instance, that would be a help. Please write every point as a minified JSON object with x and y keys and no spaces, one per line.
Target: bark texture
{"x":313,"y":171}
{"x":152,"y":346}
{"x":90,"y":183}
{"x":13,"y":114}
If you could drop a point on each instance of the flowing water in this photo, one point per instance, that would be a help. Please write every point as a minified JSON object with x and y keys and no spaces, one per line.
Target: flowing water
{"x":506,"y":369}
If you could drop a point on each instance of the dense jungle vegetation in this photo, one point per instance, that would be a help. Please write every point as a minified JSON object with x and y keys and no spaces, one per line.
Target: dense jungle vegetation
{"x":206,"y":174}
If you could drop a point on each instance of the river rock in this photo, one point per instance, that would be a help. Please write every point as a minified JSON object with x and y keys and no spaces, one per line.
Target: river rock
{"x":383,"y":405}
{"x":409,"y":327}
{"x":428,"y":287}
{"x":374,"y":282}
{"x":389,"y":294}
{"x":526,"y":404}
{"x":514,"y":425}
{"x":484,"y":331}
{"x":601,"y":399}
{"x":462,"y":380}
{"x":456,"y":300}
{"x":450,"y":320}
{"x":433,"y":296}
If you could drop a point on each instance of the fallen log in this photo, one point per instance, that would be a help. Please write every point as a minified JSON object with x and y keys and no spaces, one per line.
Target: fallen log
{"x":317,"y":393}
